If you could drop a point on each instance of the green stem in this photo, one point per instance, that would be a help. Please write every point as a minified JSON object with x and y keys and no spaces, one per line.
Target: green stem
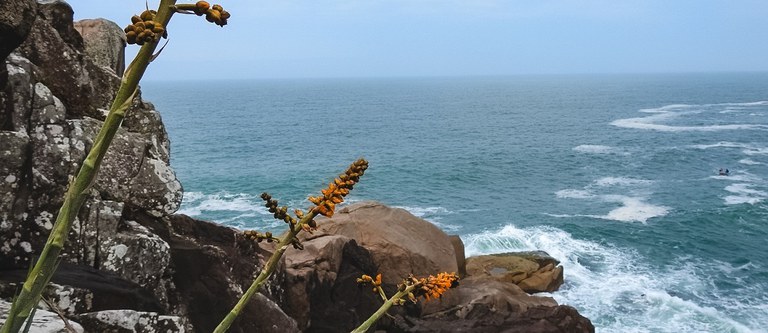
{"x":45,"y":267}
{"x":365,"y":326}
{"x":268,"y":269}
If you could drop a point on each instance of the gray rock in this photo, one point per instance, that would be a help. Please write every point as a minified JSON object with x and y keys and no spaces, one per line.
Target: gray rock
{"x":104,"y":43}
{"x":19,"y":93}
{"x":129,"y":321}
{"x":43,"y":322}
{"x":13,"y":153}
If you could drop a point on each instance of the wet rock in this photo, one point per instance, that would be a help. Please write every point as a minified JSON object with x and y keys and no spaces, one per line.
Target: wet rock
{"x":532,"y":271}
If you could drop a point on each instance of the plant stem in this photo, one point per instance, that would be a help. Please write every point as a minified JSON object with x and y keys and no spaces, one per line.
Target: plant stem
{"x":365,"y":326}
{"x":268,"y":269}
{"x":45,"y":267}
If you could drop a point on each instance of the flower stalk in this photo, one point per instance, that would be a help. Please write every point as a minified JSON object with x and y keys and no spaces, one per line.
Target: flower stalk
{"x":324,"y":205}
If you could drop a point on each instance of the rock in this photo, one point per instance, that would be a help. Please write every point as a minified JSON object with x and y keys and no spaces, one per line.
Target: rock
{"x":532,"y":271}
{"x":44,"y":321}
{"x":483,"y":304}
{"x":79,"y":288}
{"x":461,"y":260}
{"x":213,"y":265}
{"x":547,"y":279}
{"x":104,"y":43}
{"x":321,"y":284}
{"x":57,"y":51}
{"x":400,"y":243}
{"x":15,"y":22}
{"x":129,"y":321}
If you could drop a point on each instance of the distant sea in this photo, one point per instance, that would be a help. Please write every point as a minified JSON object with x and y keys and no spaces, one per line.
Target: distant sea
{"x":616,"y":175}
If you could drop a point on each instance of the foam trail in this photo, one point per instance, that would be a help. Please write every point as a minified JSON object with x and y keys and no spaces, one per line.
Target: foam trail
{"x":599,"y":149}
{"x":744,"y":194}
{"x":621,"y":181}
{"x":633,"y":209}
{"x":608,"y":285}
{"x":748,"y":161}
{"x":669,"y":112}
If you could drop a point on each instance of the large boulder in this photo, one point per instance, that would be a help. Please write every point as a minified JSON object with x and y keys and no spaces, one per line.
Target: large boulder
{"x":400,"y":243}
{"x":531,"y":271}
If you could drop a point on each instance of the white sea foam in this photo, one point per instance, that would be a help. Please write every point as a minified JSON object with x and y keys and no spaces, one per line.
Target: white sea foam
{"x":195,"y":203}
{"x":669,"y":112}
{"x":744,"y":194}
{"x":722,"y":144}
{"x":574,"y":194}
{"x":609,"y":285}
{"x":632,"y":209}
{"x":747,"y":149}
{"x":748,"y":161}
{"x":599,"y":149}
{"x":621,"y":181}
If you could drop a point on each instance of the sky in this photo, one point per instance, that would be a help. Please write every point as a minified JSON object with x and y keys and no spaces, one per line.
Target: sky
{"x":405,"y":38}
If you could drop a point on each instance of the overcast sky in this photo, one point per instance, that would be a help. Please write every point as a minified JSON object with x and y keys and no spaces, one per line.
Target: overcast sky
{"x":376,"y":38}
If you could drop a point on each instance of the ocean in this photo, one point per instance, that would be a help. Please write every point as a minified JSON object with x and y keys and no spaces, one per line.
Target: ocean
{"x":617,"y":176}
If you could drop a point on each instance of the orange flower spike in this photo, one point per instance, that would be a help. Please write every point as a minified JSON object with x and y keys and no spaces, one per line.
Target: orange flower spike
{"x":378,"y":280}
{"x":315,"y":200}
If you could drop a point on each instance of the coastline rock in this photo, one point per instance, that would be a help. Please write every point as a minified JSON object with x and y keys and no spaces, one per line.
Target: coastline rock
{"x":212,"y":266}
{"x":532,"y":271}
{"x":104,"y":43}
{"x":400,"y":243}
{"x":129,"y":321}
{"x":44,"y":321}
{"x":483,"y":304}
{"x":15,"y":25}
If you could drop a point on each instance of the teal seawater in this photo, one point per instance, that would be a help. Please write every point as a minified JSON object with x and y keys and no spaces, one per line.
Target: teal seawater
{"x":615,"y":175}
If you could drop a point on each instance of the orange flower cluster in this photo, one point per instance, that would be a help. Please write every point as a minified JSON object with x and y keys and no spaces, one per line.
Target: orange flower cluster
{"x":215,"y":14}
{"x":368,"y":279}
{"x":143,"y":29}
{"x":435,"y":286}
{"x":338,"y":189}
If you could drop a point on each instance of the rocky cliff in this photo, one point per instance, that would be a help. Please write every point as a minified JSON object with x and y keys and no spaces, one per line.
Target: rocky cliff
{"x":131,"y":265}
